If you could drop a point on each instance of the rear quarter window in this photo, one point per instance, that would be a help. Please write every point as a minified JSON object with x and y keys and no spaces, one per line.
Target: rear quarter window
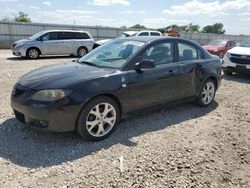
{"x":188,"y":52}
{"x":81,"y":36}
{"x":155,"y":34}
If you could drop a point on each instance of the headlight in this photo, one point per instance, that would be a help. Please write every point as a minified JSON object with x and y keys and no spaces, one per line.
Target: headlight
{"x":228,"y":55}
{"x":50,"y":95}
{"x":19,"y":44}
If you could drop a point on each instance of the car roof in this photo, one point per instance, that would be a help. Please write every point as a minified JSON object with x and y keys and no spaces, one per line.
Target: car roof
{"x":134,"y":32}
{"x":65,"y":30}
{"x":149,"y":38}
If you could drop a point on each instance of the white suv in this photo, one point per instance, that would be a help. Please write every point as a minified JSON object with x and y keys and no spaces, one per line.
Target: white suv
{"x":237,"y":59}
{"x":130,"y":34}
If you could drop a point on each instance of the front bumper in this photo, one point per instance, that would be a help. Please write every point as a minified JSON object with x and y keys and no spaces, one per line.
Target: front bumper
{"x":228,"y":65}
{"x":58,"y":116}
{"x":19,"y":51}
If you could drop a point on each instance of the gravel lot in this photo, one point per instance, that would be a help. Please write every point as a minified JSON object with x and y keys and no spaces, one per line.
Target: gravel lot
{"x":182,"y":146}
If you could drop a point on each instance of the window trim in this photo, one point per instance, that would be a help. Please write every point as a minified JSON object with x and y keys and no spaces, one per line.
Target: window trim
{"x":158,"y":43}
{"x":191,"y":45}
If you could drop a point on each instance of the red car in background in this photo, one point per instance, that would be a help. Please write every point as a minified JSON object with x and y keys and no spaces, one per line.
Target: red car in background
{"x":219,"y":47}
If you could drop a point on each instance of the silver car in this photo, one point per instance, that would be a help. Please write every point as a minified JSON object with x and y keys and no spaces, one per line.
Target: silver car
{"x":54,"y":42}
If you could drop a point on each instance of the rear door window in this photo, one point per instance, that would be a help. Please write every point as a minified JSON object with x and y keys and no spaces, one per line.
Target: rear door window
{"x":68,"y":35}
{"x":187,"y":52}
{"x":144,"y":34}
{"x":81,"y":36}
{"x":60,"y":36}
{"x":155,"y":34}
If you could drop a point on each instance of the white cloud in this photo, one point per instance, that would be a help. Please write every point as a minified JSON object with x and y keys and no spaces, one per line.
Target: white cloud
{"x":244,"y":14}
{"x":126,"y":12}
{"x":141,"y":12}
{"x":34,"y":7}
{"x":65,"y":16}
{"x":8,"y":1}
{"x":196,"y":7}
{"x":162,"y":22}
{"x":245,"y":19}
{"x":47,"y":3}
{"x":110,"y":2}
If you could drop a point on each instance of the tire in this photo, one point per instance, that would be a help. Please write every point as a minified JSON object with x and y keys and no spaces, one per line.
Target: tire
{"x":228,"y":73}
{"x":93,"y":123}
{"x":32,"y":53}
{"x":207,"y":93}
{"x":82,"y":51}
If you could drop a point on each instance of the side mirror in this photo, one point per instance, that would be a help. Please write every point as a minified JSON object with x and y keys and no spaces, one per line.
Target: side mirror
{"x":144,"y":64}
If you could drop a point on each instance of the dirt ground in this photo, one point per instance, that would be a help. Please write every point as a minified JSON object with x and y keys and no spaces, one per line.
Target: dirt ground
{"x":182,"y":146}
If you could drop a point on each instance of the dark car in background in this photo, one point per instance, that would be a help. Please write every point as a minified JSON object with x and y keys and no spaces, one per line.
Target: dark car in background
{"x":219,"y":47}
{"x":91,"y":94}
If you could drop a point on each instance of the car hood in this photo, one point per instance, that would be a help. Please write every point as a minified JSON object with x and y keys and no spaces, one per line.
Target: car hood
{"x":100,"y":42}
{"x":240,"y":50}
{"x":212,"y":48}
{"x":61,"y":76}
{"x":21,"y":41}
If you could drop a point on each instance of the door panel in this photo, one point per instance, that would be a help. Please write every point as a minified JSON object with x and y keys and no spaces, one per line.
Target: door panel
{"x":154,"y":86}
{"x":51,"y":43}
{"x":192,"y":69}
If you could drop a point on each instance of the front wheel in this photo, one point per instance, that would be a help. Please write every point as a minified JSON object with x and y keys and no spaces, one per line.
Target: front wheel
{"x":98,"y":119}
{"x":32,"y":53}
{"x":207,"y":93}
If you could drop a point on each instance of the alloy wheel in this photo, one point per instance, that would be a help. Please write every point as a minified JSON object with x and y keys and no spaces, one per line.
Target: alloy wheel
{"x":101,"y":119}
{"x":82,"y":52}
{"x":208,"y":92}
{"x":33,"y":53}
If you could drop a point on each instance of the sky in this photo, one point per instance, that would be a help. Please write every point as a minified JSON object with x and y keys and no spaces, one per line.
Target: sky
{"x":235,"y":15}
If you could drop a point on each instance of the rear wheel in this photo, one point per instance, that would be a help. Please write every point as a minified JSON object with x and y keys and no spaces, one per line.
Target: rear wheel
{"x":207,"y":93}
{"x":98,"y":119}
{"x":82,"y":51}
{"x":32,"y":53}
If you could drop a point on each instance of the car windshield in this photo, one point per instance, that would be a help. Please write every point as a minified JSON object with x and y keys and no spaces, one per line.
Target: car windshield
{"x":245,"y":43}
{"x":114,"y":54}
{"x":123,"y":35}
{"x":35,"y":36}
{"x":217,"y":43}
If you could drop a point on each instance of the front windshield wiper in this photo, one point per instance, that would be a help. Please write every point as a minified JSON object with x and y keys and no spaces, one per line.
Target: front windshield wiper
{"x":89,"y":63}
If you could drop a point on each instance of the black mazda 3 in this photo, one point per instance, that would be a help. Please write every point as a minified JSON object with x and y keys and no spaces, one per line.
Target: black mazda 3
{"x":92,"y":94}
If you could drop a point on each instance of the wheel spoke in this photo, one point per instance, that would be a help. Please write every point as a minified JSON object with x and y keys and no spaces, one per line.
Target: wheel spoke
{"x":92,"y":124}
{"x":96,"y":111}
{"x":107,"y":109}
{"x":110,"y":120}
{"x":101,"y":119}
{"x":100,"y":129}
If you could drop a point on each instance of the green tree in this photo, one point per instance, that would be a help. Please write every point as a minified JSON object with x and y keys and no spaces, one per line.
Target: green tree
{"x":190,"y":28}
{"x":138,"y":26}
{"x":22,"y":17}
{"x":5,"y":19}
{"x":216,"y":28}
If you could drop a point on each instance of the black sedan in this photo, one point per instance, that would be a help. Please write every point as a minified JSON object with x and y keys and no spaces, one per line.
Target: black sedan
{"x":91,"y":95}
